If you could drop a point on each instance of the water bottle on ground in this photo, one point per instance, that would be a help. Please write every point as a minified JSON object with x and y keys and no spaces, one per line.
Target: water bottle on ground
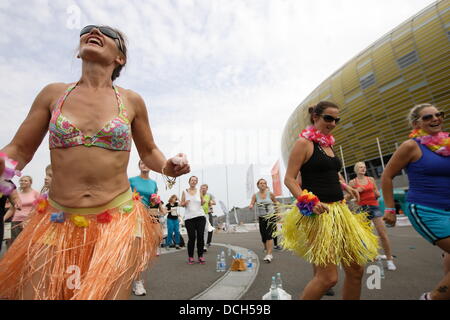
{"x":380,"y":265}
{"x":274,"y":295}
{"x":229,"y":250}
{"x":249,"y":261}
{"x":223,"y":264}
{"x":218,"y":264}
{"x":279,"y":282}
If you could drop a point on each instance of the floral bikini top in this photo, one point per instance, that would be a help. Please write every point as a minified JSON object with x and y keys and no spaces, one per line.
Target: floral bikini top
{"x":115,"y":135}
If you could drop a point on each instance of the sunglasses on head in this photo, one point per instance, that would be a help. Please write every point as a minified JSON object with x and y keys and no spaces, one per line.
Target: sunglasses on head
{"x":428,"y":117}
{"x":105,"y":31}
{"x":328,"y":118}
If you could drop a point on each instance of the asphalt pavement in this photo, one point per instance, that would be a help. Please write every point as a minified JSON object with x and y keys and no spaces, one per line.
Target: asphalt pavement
{"x":419,"y":269}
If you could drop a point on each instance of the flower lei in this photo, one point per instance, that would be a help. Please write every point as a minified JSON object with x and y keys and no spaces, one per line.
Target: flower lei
{"x":306,"y":202}
{"x":311,"y":133}
{"x":10,"y":171}
{"x":438,"y":143}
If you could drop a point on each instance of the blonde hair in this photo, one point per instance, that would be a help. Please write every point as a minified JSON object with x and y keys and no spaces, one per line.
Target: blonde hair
{"x":355,"y":167}
{"x":47,"y":168}
{"x":413,"y":114}
{"x":29,"y":177}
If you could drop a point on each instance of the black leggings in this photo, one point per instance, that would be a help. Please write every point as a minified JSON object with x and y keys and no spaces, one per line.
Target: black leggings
{"x":195,"y":229}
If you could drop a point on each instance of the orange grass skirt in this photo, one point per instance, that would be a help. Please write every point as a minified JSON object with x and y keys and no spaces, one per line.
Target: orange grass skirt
{"x":93,"y":255}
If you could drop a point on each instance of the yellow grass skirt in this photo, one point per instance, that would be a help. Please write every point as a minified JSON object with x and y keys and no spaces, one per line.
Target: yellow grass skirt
{"x":88,"y":254}
{"x":335,"y":237}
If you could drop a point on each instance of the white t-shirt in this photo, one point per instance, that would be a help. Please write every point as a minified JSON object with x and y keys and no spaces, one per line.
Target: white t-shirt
{"x":194,"y":208}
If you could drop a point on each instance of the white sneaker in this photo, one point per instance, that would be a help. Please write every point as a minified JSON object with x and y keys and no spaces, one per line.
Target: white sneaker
{"x":425,"y":296}
{"x":138,"y":288}
{"x":390,"y":265}
{"x":381,"y":257}
{"x":268,"y":258}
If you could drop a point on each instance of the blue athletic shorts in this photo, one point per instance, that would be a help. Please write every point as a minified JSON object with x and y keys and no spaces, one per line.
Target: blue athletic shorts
{"x":432,"y":224}
{"x":373,"y":211}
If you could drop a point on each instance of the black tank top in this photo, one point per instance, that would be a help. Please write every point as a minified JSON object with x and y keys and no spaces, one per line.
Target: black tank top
{"x":320,"y":176}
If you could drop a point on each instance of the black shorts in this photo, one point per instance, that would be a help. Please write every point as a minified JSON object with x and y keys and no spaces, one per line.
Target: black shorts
{"x":267,"y":226}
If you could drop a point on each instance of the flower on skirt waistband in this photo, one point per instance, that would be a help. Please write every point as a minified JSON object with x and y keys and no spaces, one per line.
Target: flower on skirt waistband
{"x":80,"y":221}
{"x":126,"y":208}
{"x":41,"y":203}
{"x":136,"y":195}
{"x":104,"y":217}
{"x":306,"y":202}
{"x":58,"y":217}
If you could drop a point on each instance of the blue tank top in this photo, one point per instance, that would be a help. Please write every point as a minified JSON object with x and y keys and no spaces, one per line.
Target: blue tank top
{"x":429,"y":180}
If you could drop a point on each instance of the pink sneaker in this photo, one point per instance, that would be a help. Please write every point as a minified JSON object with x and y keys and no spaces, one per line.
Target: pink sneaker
{"x":191,"y":260}
{"x":201,"y":260}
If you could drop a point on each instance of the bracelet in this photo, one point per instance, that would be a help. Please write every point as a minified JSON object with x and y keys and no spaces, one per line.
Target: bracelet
{"x":343,"y":185}
{"x":306,"y":202}
{"x":169,"y":181}
{"x":389,"y":209}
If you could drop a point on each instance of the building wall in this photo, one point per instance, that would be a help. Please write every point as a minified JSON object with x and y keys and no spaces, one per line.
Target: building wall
{"x":376,"y":89}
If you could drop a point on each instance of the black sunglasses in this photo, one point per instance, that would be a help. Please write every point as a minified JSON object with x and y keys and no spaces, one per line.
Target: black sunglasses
{"x":104,"y":30}
{"x":428,"y":117}
{"x":330,"y":119}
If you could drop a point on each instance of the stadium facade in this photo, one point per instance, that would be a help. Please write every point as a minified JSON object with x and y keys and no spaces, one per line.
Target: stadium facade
{"x":376,"y":89}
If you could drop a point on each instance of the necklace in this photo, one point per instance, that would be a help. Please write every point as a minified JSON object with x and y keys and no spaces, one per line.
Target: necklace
{"x":438,"y":143}
{"x":312,"y":134}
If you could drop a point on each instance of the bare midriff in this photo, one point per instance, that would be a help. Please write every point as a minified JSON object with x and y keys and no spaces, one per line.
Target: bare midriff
{"x":86,"y":177}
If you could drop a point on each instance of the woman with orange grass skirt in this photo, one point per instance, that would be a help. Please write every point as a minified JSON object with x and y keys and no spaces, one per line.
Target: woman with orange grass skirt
{"x":91,"y":236}
{"x":320,"y":227}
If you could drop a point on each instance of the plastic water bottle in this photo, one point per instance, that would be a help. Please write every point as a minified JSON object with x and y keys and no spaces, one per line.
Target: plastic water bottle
{"x":223,"y":264}
{"x":218,"y":264}
{"x":380,"y":265}
{"x":249,"y":261}
{"x":229,"y":250}
{"x":274,"y":290}
{"x":279,"y":282}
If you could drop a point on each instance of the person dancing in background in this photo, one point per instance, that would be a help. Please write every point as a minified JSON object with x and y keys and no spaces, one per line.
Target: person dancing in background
{"x":208,"y":203}
{"x":426,"y":158}
{"x":173,"y":223}
{"x":369,"y":194}
{"x":91,"y":222}
{"x":320,"y":227}
{"x":47,"y":180}
{"x":14,"y":204}
{"x":145,"y":187}
{"x":264,"y":201}
{"x":194,"y":220}
{"x":28,"y":197}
